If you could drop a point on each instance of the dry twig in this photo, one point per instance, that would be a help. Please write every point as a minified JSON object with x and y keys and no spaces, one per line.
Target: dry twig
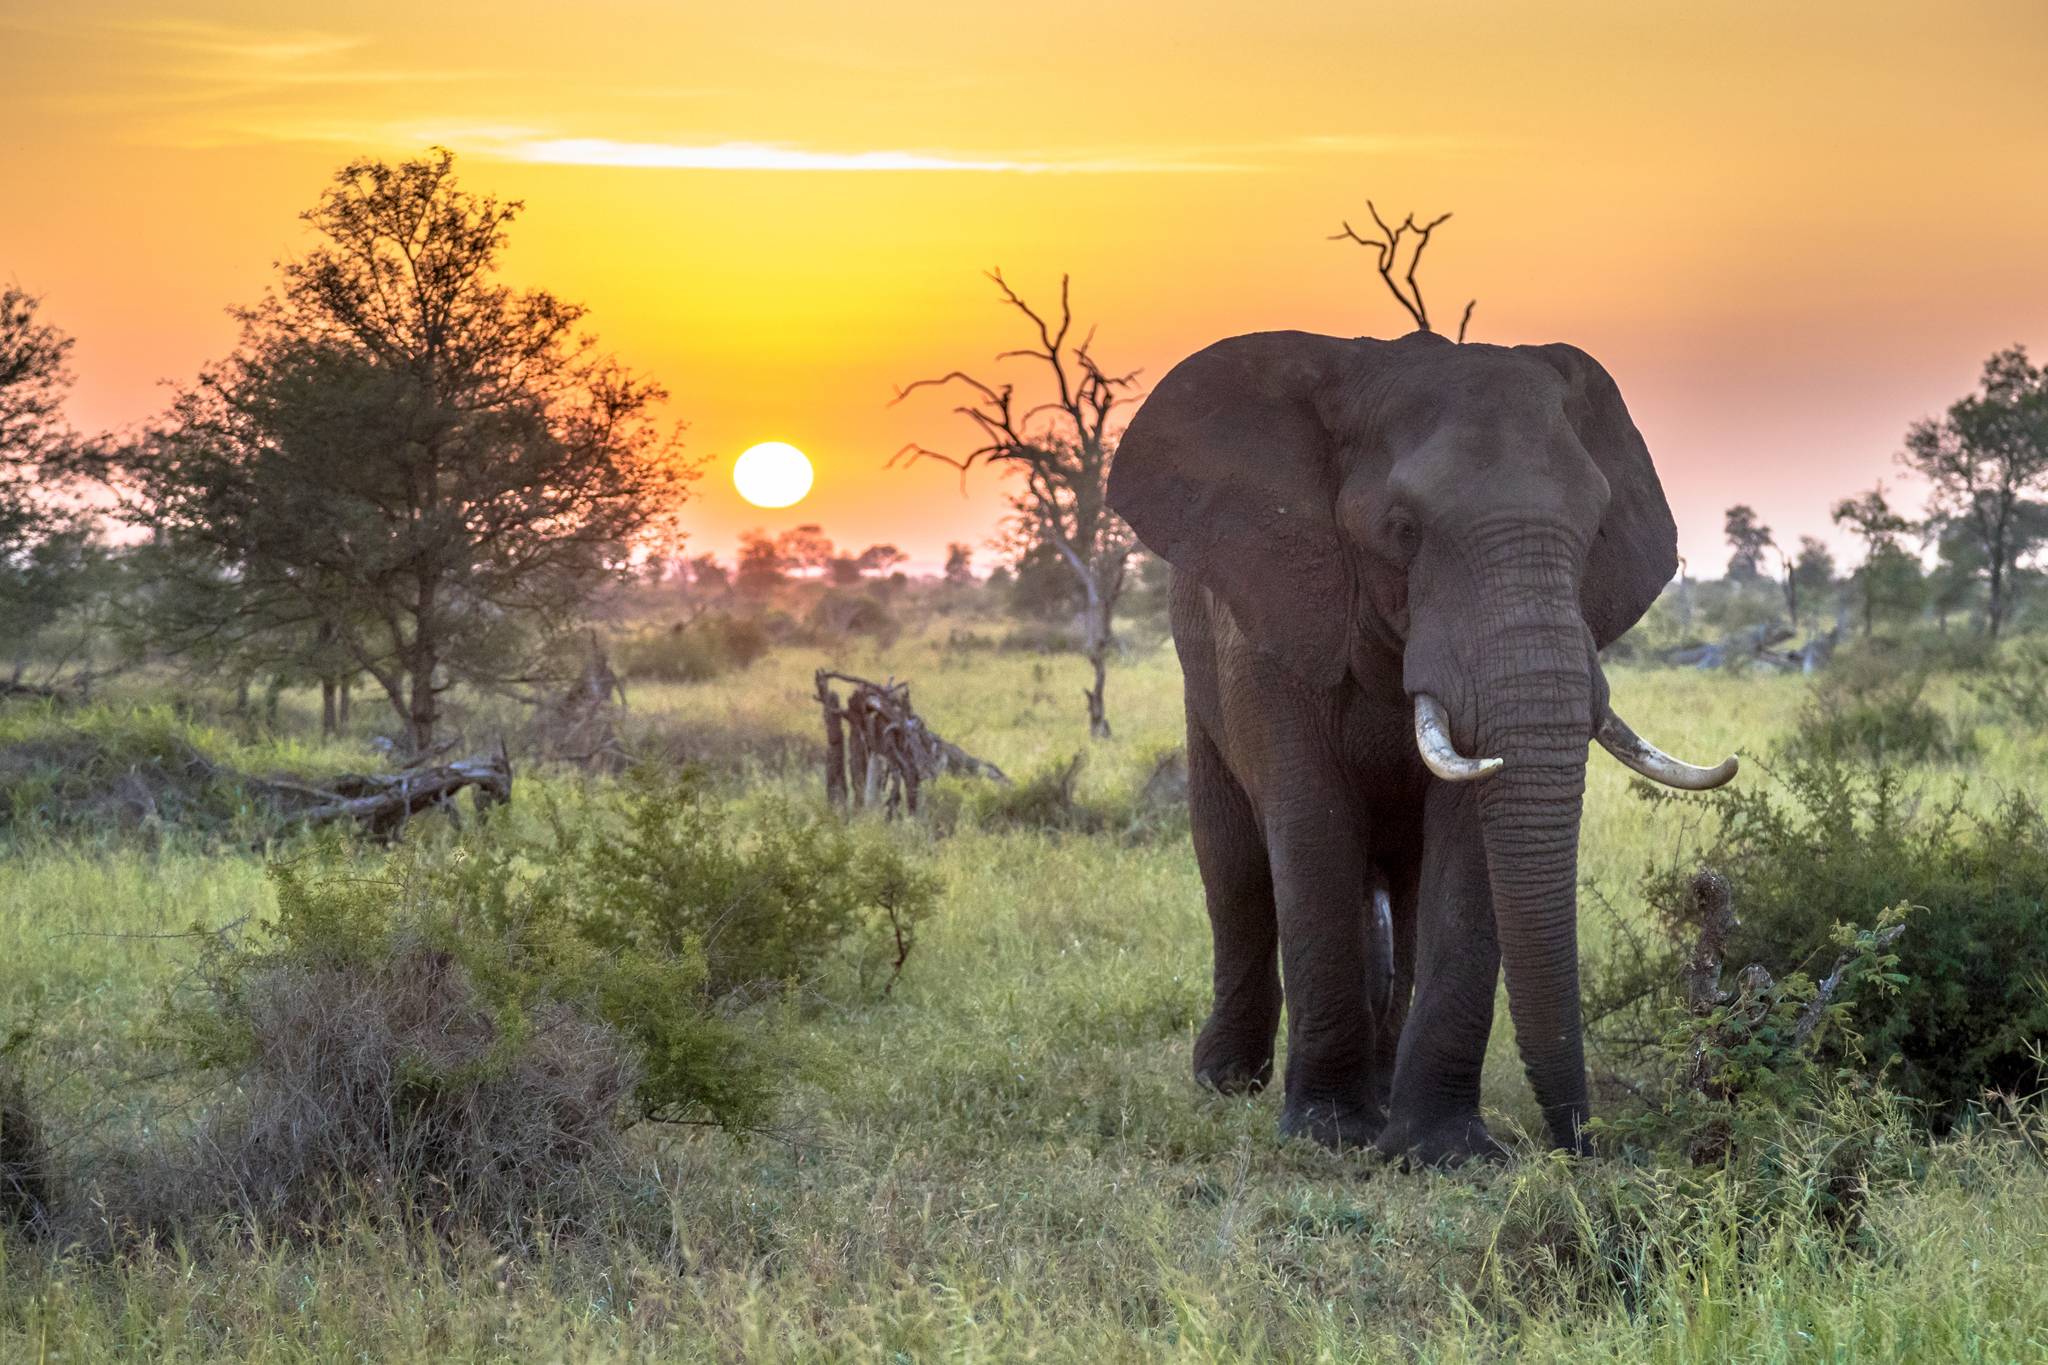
{"x":1387,"y":247}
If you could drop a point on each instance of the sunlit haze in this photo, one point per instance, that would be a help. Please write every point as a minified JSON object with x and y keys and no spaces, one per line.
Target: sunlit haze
{"x":1788,"y":230}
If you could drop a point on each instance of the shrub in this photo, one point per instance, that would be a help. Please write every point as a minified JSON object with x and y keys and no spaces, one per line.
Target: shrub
{"x":25,"y":1176}
{"x":1878,"y":717}
{"x":467,"y":1029}
{"x":1748,"y":1144}
{"x":106,"y":770}
{"x":2018,"y":690}
{"x":1041,"y":638}
{"x":1621,"y":1235}
{"x":666,"y":870}
{"x":383,"y":1038}
{"x":1044,"y":800}
{"x":1829,"y":842}
{"x":1154,"y":806}
{"x":839,"y":613}
{"x":694,"y":651}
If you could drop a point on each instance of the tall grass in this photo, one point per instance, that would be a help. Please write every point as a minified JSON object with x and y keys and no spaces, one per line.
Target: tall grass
{"x":1004,"y":1158}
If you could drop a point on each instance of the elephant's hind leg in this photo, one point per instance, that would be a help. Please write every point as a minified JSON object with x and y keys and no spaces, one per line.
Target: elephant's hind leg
{"x":1235,"y":1050}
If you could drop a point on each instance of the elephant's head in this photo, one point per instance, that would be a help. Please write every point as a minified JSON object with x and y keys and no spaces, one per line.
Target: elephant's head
{"x":1489,"y":517}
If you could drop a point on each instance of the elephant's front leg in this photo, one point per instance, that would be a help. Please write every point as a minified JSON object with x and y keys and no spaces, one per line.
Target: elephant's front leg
{"x":1434,"y":1116}
{"x":1235,"y":1050}
{"x":1316,"y":839}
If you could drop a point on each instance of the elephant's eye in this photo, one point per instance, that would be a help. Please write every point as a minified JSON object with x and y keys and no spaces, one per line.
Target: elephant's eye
{"x":1403,"y":536}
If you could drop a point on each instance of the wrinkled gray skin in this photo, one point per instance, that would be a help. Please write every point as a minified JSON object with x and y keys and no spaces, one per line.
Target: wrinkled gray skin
{"x":1353,"y":522}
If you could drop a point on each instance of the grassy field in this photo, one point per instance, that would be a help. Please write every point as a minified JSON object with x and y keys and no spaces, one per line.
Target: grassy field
{"x":1005,"y":1159}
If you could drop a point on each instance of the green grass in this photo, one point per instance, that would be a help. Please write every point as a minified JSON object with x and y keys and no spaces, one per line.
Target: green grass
{"x":1005,"y":1158}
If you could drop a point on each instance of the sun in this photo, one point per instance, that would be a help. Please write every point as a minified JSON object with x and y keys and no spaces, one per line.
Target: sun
{"x":772,"y":474}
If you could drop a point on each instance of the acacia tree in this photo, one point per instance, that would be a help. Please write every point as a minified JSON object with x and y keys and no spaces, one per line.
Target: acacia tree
{"x":760,"y":567}
{"x":46,"y":552}
{"x":1061,"y":449}
{"x":1981,"y":460}
{"x":405,"y":462}
{"x":1749,"y":538}
{"x":1889,"y":578}
{"x":959,"y":563}
{"x":1813,"y":573}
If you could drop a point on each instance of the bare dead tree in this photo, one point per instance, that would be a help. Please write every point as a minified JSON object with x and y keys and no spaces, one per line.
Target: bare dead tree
{"x":1388,"y":248}
{"x":1062,"y":448}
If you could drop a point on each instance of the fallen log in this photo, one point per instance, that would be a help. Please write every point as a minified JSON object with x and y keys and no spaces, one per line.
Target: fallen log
{"x":383,"y":803}
{"x":34,"y":691}
{"x":1747,"y":646}
{"x":879,"y":752}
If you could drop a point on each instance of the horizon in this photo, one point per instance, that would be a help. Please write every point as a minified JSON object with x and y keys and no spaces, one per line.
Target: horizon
{"x":784,"y":215}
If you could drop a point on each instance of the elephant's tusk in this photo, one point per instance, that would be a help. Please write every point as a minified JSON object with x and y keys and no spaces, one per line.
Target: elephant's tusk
{"x":1433,"y":739}
{"x":1646,"y":758}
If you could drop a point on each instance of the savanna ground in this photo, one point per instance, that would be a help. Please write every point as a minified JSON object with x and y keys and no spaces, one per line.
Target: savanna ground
{"x":1004,"y":1158}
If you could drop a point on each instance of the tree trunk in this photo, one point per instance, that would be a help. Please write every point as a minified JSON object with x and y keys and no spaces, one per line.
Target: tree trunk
{"x":1096,"y":635}
{"x":329,"y":713}
{"x":857,"y":766}
{"x":1994,"y":611}
{"x":422,"y":711}
{"x":835,"y":747}
{"x":1098,"y":718}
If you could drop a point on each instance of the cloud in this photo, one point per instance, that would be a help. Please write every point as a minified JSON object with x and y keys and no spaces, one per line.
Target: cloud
{"x":762,"y":156}
{"x":262,"y":47}
{"x":209,"y":84}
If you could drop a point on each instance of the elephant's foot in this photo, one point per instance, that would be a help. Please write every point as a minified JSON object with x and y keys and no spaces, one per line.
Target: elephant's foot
{"x":1233,"y":1062}
{"x":1445,"y":1142}
{"x":1337,"y":1125}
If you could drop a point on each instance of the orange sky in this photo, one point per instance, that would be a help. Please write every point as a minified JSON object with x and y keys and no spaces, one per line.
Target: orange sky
{"x":1788,"y":230}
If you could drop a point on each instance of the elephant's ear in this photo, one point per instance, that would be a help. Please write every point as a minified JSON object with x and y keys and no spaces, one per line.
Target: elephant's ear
{"x":1227,"y":473}
{"x":1635,"y":552}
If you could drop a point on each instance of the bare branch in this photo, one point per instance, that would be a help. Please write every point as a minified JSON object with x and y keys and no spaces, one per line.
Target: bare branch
{"x":1405,"y":288}
{"x":1062,"y":447}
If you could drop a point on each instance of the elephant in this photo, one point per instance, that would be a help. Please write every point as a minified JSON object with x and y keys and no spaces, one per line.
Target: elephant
{"x":1388,"y":555}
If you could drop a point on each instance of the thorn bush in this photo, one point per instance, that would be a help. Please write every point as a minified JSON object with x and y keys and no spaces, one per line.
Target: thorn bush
{"x":466,"y":1029}
{"x":1828,"y":841}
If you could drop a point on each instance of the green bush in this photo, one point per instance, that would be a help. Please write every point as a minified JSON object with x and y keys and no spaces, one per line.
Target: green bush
{"x":1829,"y":842}
{"x":100,"y":771}
{"x":1152,"y":806}
{"x":1044,"y":800}
{"x":664,"y":869}
{"x":1041,"y":637}
{"x":466,"y":1027}
{"x":1574,"y":1236}
{"x":694,"y":651}
{"x":1743,"y":1143}
{"x":1863,"y":710}
{"x":840,"y":612}
{"x":384,"y":1040}
{"x":2018,"y":689}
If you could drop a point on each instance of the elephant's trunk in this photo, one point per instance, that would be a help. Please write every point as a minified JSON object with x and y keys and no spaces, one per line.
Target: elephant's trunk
{"x":1533,"y":685}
